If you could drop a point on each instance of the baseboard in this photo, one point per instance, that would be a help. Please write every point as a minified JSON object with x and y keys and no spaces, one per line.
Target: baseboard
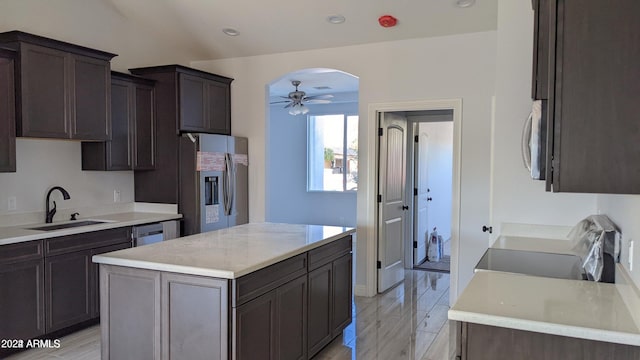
{"x":360,"y":290}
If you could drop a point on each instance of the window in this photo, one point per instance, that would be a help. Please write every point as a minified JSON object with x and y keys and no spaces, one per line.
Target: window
{"x":330,"y":167}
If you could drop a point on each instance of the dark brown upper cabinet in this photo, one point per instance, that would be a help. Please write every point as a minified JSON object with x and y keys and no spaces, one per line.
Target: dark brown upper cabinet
{"x":204,"y":99}
{"x":592,"y":86}
{"x":7,"y":111}
{"x":133,"y":126}
{"x":63,"y":90}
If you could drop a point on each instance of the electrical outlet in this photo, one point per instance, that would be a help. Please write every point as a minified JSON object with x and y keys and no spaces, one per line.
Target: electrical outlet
{"x":11,"y":204}
{"x":116,"y":195}
{"x":630,"y":255}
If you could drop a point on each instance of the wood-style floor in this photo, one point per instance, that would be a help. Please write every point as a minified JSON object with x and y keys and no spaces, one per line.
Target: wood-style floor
{"x":409,"y":322}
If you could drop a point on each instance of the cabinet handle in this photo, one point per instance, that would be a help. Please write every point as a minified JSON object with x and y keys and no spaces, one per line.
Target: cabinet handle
{"x":404,"y":207}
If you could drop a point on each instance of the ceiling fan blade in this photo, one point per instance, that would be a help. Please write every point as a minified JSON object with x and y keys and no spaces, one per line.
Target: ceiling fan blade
{"x":288,"y":105}
{"x":280,"y":102}
{"x":317,"y":101}
{"x":312,"y":97}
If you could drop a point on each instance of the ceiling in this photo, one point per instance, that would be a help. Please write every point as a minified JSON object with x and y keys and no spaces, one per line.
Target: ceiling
{"x":276,"y":26}
{"x":152,"y":32}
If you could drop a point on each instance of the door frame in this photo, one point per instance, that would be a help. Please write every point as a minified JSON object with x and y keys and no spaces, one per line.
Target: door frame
{"x":372,"y":171}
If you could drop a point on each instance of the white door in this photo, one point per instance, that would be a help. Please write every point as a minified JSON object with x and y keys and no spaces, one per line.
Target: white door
{"x":392,"y":205}
{"x":421,"y":196}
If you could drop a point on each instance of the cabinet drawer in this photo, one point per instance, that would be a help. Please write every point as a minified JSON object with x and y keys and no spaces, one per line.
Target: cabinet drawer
{"x":21,"y":251}
{"x":257,"y":283}
{"x":69,"y":243}
{"x":327,"y":253}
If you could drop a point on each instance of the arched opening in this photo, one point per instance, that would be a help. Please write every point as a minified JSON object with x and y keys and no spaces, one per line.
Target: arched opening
{"x":311,"y":148}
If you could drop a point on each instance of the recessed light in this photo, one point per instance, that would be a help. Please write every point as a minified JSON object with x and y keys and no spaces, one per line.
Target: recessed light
{"x":465,"y":3}
{"x":336,"y":19}
{"x":231,"y":31}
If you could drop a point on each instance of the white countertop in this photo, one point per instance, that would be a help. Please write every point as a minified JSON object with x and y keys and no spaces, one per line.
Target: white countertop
{"x":227,"y":253}
{"x":574,"y":308}
{"x":21,"y":233}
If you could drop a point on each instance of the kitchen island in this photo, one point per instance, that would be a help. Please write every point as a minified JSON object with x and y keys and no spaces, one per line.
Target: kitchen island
{"x":254,"y":291}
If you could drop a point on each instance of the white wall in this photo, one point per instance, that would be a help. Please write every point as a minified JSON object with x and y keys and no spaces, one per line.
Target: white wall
{"x":287,"y":199}
{"x":42,"y":164}
{"x":461,"y":66}
{"x":516,"y":198}
{"x":439,"y":174}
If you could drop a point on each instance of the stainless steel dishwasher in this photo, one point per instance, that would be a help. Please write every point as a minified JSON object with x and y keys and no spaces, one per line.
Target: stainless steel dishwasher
{"x":153,"y":233}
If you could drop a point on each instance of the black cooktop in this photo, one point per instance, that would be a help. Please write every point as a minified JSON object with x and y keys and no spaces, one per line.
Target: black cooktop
{"x":561,"y":266}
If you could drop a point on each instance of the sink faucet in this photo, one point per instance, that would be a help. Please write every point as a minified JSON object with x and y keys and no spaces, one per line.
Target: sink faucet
{"x":50,"y":213}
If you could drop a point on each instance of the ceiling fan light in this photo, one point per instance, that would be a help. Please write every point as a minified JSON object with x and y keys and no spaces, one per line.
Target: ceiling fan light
{"x":298,"y":109}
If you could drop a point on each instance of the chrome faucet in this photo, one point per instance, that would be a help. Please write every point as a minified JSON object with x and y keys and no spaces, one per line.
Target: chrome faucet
{"x":50,"y":213}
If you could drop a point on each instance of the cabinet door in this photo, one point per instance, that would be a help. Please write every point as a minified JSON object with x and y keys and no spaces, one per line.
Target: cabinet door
{"x":118,"y":150}
{"x":7,"y":115}
{"x":255,"y":329}
{"x":218,"y":108}
{"x":22,"y":300}
{"x":595,"y":105}
{"x":194,"y":317}
{"x":68,"y":293}
{"x":130,"y":313}
{"x":192,"y":104}
{"x":342,"y":294}
{"x":44,"y":82}
{"x":95,"y":276}
{"x":90,"y":99}
{"x":291,"y":300}
{"x":320,"y":308}
{"x":145,"y":128}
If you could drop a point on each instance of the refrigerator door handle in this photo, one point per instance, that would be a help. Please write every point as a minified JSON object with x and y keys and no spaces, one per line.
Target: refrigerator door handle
{"x":228,"y":184}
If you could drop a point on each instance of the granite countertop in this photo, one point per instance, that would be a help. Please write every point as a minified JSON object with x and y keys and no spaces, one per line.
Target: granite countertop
{"x":22,"y":233}
{"x":574,"y":308}
{"x":227,"y":253}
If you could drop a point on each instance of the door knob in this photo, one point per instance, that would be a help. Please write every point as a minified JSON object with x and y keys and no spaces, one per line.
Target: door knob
{"x":404,"y":207}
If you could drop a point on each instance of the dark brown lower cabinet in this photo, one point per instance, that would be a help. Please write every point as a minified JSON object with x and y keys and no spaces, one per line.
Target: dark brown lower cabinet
{"x":255,"y":323}
{"x":68,"y":289}
{"x":50,"y":287}
{"x":22,"y":300}
{"x":330,"y":293}
{"x":342,"y":294}
{"x":320,"y":301}
{"x":273,"y":326}
{"x":483,"y":342}
{"x":22,"y":311}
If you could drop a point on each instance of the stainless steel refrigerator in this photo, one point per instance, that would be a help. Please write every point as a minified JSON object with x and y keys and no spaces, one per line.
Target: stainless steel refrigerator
{"x":214,"y":184}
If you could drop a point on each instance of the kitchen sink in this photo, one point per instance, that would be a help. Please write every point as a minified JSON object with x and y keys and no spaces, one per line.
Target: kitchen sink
{"x":68,"y":225}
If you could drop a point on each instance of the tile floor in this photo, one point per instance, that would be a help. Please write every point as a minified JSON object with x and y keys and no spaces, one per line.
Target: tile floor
{"x":407,"y":322}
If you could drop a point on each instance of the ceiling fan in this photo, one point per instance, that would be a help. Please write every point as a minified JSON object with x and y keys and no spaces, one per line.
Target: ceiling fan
{"x":298,"y":98}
